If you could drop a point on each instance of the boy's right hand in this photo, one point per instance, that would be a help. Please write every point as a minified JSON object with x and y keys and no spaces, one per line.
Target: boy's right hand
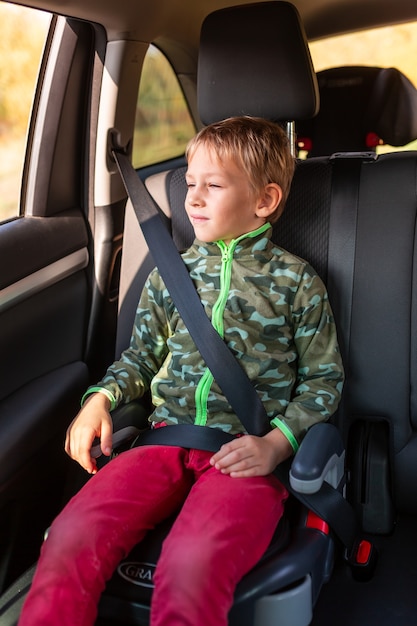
{"x":92,"y":421}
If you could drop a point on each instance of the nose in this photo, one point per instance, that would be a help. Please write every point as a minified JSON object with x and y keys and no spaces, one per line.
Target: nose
{"x":194,"y":196}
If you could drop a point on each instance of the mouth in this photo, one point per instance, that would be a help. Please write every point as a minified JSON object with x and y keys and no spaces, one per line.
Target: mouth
{"x":198,"y":219}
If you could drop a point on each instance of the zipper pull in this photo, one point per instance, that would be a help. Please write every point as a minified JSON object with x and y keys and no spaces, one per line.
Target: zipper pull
{"x":226,"y":255}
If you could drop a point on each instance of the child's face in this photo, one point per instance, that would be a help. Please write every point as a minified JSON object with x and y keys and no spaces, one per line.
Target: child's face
{"x":220,"y":202}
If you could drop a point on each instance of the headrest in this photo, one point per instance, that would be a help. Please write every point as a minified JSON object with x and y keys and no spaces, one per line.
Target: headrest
{"x":360,"y":108}
{"x":254,"y":60}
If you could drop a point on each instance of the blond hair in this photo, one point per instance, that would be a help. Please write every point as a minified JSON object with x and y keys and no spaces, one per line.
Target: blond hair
{"x":257,"y":145}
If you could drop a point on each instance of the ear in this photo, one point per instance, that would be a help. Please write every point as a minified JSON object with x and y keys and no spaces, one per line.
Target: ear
{"x":268,"y":200}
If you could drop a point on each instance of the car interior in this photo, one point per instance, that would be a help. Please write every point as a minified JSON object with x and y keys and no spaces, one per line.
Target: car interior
{"x":74,"y":261}
{"x":360,"y":108}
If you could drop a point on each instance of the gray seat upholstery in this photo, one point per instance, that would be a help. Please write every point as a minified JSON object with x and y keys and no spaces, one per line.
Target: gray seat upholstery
{"x":380,"y":339}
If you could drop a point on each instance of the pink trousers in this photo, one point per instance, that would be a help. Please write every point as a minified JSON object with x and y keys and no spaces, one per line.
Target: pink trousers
{"x":222,"y":530}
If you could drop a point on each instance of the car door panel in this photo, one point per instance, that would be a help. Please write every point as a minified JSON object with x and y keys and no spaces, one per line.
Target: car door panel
{"x":46,"y":289}
{"x":37,"y":339}
{"x":31,"y":243}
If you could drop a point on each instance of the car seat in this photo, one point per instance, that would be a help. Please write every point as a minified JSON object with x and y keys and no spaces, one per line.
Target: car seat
{"x":354,"y":218}
{"x":286,"y":583}
{"x":360,"y":109}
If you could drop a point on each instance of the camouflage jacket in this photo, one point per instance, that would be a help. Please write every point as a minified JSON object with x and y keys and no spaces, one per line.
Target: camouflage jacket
{"x":273,"y":312}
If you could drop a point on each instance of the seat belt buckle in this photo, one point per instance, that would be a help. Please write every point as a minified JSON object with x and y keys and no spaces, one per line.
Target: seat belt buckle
{"x":362,"y":559}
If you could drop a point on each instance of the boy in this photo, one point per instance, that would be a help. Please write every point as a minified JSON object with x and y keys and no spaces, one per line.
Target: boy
{"x":273,"y":312}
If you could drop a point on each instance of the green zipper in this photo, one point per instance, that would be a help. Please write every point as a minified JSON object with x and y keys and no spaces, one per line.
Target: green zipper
{"x":217,"y":319}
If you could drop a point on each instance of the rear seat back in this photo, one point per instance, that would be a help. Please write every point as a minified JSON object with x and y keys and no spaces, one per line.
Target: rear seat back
{"x":379,"y":339}
{"x":379,"y":336}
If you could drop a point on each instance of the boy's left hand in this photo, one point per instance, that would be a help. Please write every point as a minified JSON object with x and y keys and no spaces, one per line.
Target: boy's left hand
{"x":252,"y":456}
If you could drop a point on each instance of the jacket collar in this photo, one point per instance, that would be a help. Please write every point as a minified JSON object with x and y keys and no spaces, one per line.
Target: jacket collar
{"x":252,"y":242}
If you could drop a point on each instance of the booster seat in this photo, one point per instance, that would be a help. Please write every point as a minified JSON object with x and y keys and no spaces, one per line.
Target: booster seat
{"x":248,"y":57}
{"x":354,"y":218}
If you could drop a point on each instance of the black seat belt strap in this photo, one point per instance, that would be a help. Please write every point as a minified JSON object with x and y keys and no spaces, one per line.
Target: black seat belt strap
{"x":344,"y":201}
{"x":185,"y":436}
{"x":228,"y":373}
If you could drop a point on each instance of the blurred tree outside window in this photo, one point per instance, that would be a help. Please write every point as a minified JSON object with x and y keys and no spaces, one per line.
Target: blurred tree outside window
{"x":22,"y":38}
{"x":163,"y":124}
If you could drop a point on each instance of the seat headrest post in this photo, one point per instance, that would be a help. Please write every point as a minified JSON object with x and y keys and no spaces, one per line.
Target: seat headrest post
{"x":254,"y":60}
{"x":291,"y":137}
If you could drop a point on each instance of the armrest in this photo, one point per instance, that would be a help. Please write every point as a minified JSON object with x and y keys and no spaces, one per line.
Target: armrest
{"x":129,"y":420}
{"x":320,"y":457}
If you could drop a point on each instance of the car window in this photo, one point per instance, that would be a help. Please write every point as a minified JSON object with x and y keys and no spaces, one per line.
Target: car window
{"x":391,"y":46}
{"x":163,"y":122}
{"x":19,"y":65}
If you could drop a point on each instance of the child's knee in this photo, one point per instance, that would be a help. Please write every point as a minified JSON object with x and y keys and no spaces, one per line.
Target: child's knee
{"x":190,"y":562}
{"x":65,"y":539}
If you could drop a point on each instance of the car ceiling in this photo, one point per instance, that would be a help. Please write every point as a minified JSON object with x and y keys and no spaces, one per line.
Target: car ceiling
{"x":180,"y":20}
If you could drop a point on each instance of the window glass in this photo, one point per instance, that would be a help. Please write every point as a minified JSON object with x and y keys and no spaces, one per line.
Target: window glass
{"x":391,"y":46}
{"x":163,"y":122}
{"x":22,"y":37}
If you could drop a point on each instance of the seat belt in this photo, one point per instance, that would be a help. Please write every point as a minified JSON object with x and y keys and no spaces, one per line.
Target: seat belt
{"x":328,"y":503}
{"x":231,"y":377}
{"x":346,"y":173}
